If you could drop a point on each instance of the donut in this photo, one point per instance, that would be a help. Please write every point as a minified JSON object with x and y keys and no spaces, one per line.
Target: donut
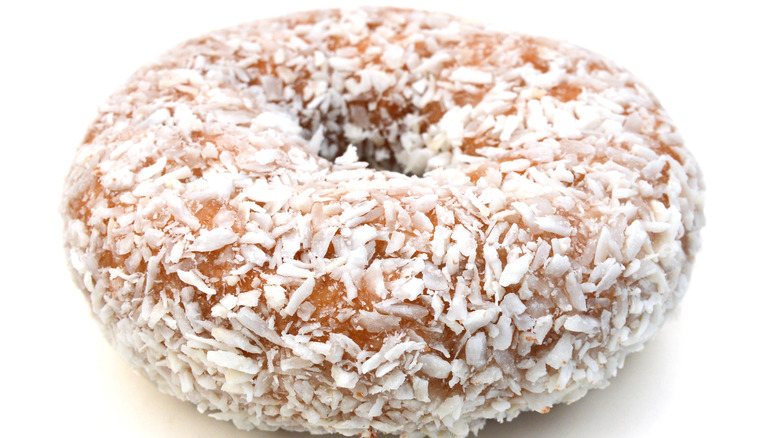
{"x":380,"y":221}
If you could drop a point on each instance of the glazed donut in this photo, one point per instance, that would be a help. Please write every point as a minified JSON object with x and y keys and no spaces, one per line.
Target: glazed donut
{"x":380,"y":221}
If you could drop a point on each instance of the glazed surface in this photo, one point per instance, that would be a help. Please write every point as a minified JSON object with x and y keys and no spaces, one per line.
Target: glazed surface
{"x":384,"y":220}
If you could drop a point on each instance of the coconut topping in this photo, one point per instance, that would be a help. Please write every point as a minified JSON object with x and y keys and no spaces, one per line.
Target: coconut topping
{"x":380,"y":220}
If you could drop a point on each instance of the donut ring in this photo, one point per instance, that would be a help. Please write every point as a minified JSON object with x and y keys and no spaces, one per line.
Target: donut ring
{"x":380,"y":220}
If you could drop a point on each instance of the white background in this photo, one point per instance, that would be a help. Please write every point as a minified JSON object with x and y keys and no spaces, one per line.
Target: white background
{"x":712,"y":371}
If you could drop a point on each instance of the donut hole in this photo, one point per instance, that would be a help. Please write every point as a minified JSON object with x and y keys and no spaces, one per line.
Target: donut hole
{"x":387,"y":135}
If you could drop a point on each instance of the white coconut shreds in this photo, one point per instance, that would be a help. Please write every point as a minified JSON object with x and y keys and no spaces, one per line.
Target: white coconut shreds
{"x":514,"y":217}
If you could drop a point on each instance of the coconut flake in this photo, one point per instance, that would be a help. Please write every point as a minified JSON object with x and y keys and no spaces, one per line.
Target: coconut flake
{"x":502,"y":339}
{"x":434,"y":279}
{"x":557,"y":266}
{"x":190,"y":278}
{"x":410,"y":290}
{"x":212,"y":240}
{"x":471,"y":76}
{"x":291,"y":270}
{"x":434,"y":366}
{"x":479,"y":318}
{"x":554,"y":224}
{"x":233,"y":361}
{"x":476,"y":350}
{"x":515,"y":270}
{"x":561,"y":353}
{"x":403,"y":348}
{"x":375,"y":322}
{"x":298,"y":297}
{"x":344,"y":379}
{"x":584,"y":324}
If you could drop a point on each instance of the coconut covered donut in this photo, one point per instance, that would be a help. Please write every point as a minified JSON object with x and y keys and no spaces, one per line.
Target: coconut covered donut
{"x":380,"y":220}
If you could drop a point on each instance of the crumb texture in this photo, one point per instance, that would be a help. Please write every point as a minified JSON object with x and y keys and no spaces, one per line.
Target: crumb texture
{"x":380,"y":220}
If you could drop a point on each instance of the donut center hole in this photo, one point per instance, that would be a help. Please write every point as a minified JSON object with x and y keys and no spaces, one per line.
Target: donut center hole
{"x":375,"y":150}
{"x":378,"y":156}
{"x":387,"y":137}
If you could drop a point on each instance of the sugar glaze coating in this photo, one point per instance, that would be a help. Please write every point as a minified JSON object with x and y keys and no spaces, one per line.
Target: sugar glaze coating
{"x":380,"y":220}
